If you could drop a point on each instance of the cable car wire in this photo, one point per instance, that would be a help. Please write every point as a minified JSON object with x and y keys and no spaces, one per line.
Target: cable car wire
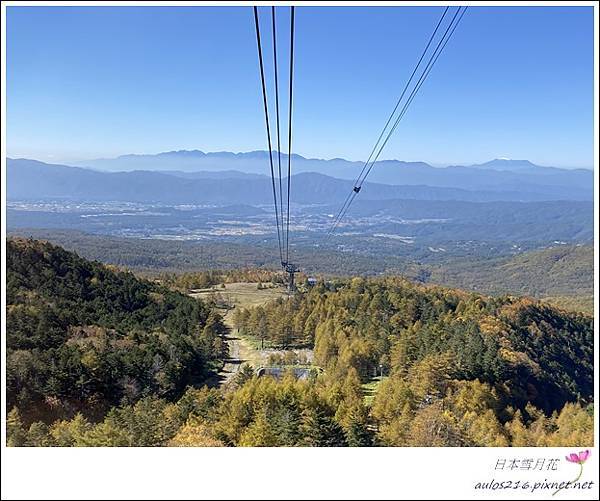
{"x":289,"y":173}
{"x":422,"y":79}
{"x":425,"y":73}
{"x":350,"y":195}
{"x":403,"y":93}
{"x":360,"y":179}
{"x":266,"y":108}
{"x":275,"y":71}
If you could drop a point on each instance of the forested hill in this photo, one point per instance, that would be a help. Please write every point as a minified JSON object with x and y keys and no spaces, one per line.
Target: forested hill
{"x":98,"y":357}
{"x":563,"y":274}
{"x":529,"y":352}
{"x":81,"y":336}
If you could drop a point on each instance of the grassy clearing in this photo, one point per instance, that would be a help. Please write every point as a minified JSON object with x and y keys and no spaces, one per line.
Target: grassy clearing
{"x":370,"y":389}
{"x":249,"y":353}
{"x":243,"y":294}
{"x":248,"y":349}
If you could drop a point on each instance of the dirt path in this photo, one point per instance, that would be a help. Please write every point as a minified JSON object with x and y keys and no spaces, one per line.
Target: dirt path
{"x":237,"y":346}
{"x":242,"y":294}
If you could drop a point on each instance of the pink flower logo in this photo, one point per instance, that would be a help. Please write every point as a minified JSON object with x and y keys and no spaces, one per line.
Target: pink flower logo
{"x":579,"y":459}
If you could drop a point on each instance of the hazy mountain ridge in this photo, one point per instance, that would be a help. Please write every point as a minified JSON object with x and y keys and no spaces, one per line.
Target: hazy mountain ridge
{"x":31,"y":179}
{"x":495,"y":175}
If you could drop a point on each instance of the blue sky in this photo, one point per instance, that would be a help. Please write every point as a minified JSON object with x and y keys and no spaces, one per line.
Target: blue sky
{"x":101,"y":81}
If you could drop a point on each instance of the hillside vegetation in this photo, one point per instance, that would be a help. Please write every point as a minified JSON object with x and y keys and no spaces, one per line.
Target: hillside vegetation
{"x":460,"y":369}
{"x":564,"y":273}
{"x":532,"y":352}
{"x":82,"y":337}
{"x":560,"y":270}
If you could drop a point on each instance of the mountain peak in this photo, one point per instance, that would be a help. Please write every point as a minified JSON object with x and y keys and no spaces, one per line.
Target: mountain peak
{"x":508,"y":160}
{"x":503,"y":163}
{"x":183,"y":153}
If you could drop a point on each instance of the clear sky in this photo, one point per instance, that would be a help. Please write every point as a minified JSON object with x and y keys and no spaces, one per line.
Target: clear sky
{"x":92,"y":82}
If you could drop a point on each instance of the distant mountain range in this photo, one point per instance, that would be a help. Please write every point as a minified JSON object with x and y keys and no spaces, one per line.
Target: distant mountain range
{"x":496,"y":175}
{"x":228,"y":178}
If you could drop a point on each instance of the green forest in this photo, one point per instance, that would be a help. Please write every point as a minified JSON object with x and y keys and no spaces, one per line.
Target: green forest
{"x":83,"y":337}
{"x":561,"y":274}
{"x":98,"y":357}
